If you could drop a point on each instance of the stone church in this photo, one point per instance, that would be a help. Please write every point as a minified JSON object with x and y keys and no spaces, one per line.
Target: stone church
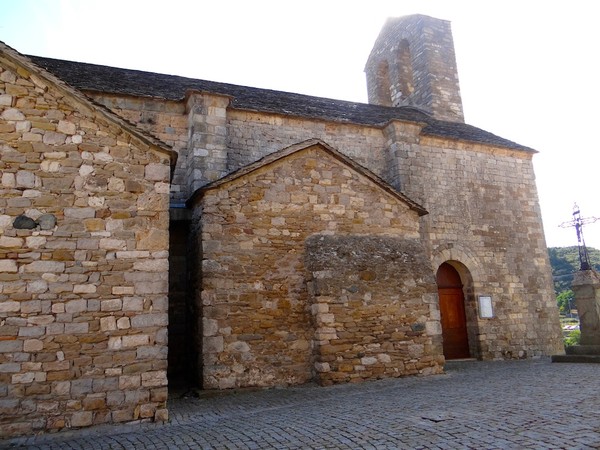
{"x":157,"y":230}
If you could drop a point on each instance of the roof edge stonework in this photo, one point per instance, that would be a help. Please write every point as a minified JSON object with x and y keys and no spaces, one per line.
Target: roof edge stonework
{"x":84,"y":102}
{"x":305,"y":145}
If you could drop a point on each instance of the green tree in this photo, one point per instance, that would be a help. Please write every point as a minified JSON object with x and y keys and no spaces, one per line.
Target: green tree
{"x":565,"y":263}
{"x":565,"y":300}
{"x":573,"y":338}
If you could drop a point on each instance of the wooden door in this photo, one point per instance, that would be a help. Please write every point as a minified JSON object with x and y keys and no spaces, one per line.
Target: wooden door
{"x":452,"y":310}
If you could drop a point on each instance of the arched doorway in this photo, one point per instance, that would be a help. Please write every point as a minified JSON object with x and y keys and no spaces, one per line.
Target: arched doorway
{"x":452,"y":310}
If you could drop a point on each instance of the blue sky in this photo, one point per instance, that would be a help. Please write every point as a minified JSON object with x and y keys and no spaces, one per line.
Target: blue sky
{"x":528,"y":69}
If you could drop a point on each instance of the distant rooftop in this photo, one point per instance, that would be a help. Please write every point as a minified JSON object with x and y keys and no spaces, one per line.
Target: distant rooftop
{"x":92,"y":77}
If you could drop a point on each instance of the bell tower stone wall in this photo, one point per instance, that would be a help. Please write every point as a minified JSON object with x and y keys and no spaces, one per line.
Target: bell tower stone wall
{"x":413,"y":64}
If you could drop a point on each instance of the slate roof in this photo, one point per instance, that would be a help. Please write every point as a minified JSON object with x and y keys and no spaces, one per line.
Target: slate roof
{"x":92,"y":77}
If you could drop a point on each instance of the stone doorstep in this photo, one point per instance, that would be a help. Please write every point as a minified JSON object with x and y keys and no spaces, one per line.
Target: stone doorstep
{"x":459,"y":361}
{"x":458,"y":364}
{"x":576,"y":358}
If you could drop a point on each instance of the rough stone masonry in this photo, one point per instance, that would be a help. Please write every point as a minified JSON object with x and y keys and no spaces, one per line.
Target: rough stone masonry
{"x":83,"y":259}
{"x":309,"y":233}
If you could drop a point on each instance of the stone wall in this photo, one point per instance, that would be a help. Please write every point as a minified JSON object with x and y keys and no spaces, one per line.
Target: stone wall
{"x":166,"y":120}
{"x":253,"y":135}
{"x":484,"y":213}
{"x":202,"y":131}
{"x":375,"y":307}
{"x":413,"y":63}
{"x":257,"y":324}
{"x":83,"y":260}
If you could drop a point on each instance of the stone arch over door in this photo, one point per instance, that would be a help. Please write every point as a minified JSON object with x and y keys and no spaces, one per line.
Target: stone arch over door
{"x":458,"y":310}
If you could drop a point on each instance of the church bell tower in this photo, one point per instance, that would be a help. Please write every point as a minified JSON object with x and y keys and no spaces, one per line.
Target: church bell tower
{"x":413,"y":64}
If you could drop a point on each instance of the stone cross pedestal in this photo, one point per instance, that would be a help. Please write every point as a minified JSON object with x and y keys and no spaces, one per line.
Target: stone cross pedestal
{"x":586,"y":287}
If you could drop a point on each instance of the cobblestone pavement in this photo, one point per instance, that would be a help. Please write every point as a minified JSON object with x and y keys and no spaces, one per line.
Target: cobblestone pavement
{"x":480,"y":405}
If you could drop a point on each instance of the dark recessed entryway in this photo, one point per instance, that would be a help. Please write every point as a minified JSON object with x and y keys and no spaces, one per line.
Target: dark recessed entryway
{"x":182,"y":359}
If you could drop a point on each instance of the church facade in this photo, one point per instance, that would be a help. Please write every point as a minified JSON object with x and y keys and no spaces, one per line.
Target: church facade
{"x":157,"y":229}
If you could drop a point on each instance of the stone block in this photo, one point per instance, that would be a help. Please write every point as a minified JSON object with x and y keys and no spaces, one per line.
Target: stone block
{"x":113,"y":304}
{"x":8,"y":405}
{"x":84,"y":289}
{"x":45,"y":266}
{"x":12,"y":114}
{"x":322,"y":367}
{"x":123,"y":323}
{"x":145,"y":287}
{"x":129,"y":382}
{"x":46,"y":407}
{"x":157,"y":172}
{"x":8,"y":266}
{"x":32,"y":345}
{"x":94,"y":402}
{"x":66,"y":127}
{"x":161,"y":415}
{"x":133,"y":303}
{"x":159,"y":395}
{"x":23,"y":378}
{"x":82,"y":418}
{"x":9,"y":367}
{"x":114,"y":398}
{"x":79,"y":213}
{"x":212,"y":344}
{"x":135,"y":340}
{"x":112,"y":244}
{"x":152,"y":265}
{"x":150,"y":320}
{"x":17,"y":428}
{"x":81,"y":387}
{"x":154,"y":379}
{"x":11,"y":346}
{"x":8,"y":180}
{"x":115,"y":342}
{"x":123,"y":415}
{"x":153,"y":352}
{"x":77,"y":328}
{"x":76,"y":306}
{"x":147,"y":410}
{"x":53,"y":138}
{"x":123,"y":290}
{"x":9,"y":306}
{"x":152,"y":239}
{"x":34,"y":306}
{"x":209,"y":326}
{"x":56,"y":366}
{"x":6,"y":100}
{"x":10,"y":242}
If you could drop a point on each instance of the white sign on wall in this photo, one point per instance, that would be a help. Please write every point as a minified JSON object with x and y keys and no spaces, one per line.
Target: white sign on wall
{"x":486,"y":311}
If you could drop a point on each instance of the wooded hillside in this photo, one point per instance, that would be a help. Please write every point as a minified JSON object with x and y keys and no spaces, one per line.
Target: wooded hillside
{"x":565,"y":262}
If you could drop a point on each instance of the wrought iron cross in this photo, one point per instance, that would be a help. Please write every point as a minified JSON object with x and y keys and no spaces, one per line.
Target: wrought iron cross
{"x":578,"y":223}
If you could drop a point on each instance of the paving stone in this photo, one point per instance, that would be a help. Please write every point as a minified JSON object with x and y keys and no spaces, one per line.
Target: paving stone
{"x":531,"y":404}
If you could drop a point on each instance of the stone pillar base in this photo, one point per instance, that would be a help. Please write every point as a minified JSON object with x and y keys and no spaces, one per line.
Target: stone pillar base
{"x":586,"y":286}
{"x":583,"y":350}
